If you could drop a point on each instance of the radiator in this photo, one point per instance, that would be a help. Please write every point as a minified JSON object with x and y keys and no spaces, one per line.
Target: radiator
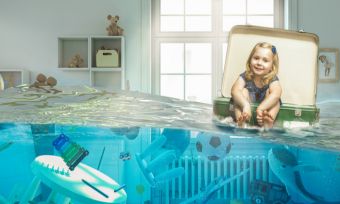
{"x":200,"y":172}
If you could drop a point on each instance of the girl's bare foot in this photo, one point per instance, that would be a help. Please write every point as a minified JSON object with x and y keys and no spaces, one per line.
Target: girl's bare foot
{"x":259,"y":117}
{"x":243,"y":119}
{"x":241,"y":122}
{"x":268,"y":121}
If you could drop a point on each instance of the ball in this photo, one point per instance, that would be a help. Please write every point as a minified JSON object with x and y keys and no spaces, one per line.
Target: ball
{"x":213,"y":146}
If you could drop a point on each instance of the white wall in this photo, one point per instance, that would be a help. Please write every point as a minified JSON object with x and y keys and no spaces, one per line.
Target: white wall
{"x":321,"y":18}
{"x":29,"y":30}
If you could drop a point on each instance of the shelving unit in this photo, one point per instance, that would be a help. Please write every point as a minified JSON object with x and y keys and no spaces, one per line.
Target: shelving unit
{"x":87,"y":47}
{"x":70,"y":46}
{"x":14,"y":77}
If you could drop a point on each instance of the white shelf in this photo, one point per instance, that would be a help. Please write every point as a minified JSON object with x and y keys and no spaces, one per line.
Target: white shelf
{"x":69,"y":47}
{"x":14,"y":77}
{"x":75,"y":69}
{"x":106,"y":69}
{"x":86,"y":47}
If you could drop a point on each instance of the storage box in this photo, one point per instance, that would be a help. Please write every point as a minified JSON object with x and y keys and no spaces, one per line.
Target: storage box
{"x":297,"y":71}
{"x":107,"y":58}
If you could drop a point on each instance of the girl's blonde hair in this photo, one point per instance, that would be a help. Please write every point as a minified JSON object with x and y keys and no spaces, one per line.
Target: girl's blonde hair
{"x":275,"y":69}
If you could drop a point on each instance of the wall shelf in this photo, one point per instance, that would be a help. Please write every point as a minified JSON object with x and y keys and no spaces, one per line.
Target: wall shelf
{"x":75,"y":69}
{"x":87,"y":47}
{"x":14,"y":77}
{"x":70,"y":46}
{"x":96,"y":69}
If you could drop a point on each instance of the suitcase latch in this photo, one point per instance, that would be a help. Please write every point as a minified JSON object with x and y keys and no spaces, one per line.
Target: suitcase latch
{"x":298,"y":112}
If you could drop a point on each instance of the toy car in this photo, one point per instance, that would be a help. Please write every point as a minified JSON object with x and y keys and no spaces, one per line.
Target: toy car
{"x":262,"y":192}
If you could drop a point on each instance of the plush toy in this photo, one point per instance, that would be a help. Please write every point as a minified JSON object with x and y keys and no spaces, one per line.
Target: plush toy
{"x":113,"y":29}
{"x":76,"y":61}
{"x":51,"y":81}
{"x":42,"y":82}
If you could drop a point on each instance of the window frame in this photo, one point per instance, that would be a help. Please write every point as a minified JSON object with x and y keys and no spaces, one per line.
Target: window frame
{"x":217,"y":37}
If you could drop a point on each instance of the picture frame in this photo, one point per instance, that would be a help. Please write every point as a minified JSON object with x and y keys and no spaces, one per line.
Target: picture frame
{"x":328,"y":65}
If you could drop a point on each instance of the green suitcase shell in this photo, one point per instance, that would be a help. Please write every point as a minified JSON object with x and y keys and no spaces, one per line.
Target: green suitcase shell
{"x":303,"y":115}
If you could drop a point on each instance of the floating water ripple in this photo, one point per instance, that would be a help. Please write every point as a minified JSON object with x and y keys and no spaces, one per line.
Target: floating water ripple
{"x":92,"y":107}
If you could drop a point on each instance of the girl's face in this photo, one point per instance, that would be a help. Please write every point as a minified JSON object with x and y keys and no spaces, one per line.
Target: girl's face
{"x":261,"y":62}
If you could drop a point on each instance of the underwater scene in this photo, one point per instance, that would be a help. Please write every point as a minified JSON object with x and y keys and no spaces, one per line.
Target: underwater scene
{"x":89,"y":146}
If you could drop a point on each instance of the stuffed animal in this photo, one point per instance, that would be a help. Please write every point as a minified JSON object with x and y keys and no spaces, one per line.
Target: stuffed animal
{"x":113,"y":29}
{"x":41,"y":80}
{"x":51,"y":81}
{"x":76,"y":61}
{"x":42,"y":83}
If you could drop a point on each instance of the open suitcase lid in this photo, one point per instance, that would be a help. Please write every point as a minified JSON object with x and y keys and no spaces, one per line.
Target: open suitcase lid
{"x":297,"y":60}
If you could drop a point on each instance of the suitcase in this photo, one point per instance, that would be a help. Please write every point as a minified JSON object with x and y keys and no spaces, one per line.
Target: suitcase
{"x":297,"y":72}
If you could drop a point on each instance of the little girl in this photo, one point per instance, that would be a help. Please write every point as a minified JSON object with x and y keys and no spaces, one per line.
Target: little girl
{"x":258,"y":84}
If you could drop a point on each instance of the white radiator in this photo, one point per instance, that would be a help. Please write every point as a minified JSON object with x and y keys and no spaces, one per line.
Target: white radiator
{"x":200,"y":172}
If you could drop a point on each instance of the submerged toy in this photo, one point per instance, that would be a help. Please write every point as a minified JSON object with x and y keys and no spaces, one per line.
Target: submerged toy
{"x":337,"y":165}
{"x":140,"y":189}
{"x":208,"y":192}
{"x":176,"y":139}
{"x":162,"y":160}
{"x":125,"y":156}
{"x":5,"y":145}
{"x":95,"y":188}
{"x":262,"y":192}
{"x":120,"y":188}
{"x":71,"y":152}
{"x":213,"y":146}
{"x":286,"y":167}
{"x":84,"y":185}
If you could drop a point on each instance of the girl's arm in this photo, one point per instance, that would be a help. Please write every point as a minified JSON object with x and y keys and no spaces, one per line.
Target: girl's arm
{"x":274,"y":96}
{"x":236,"y":93}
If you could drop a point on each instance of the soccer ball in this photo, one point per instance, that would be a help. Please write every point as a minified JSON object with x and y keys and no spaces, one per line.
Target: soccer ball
{"x":213,"y":146}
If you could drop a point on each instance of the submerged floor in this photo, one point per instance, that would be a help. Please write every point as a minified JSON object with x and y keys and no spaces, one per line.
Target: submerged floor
{"x":163,"y":165}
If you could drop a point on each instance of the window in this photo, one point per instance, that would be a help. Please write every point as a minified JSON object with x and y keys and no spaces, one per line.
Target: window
{"x":190,"y":42}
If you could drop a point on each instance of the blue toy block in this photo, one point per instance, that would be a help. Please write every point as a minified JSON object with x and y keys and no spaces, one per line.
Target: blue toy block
{"x":60,"y":141}
{"x":71,"y":152}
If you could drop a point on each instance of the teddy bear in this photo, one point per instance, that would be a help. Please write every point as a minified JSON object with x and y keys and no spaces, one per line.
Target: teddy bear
{"x":76,"y":61}
{"x":42,"y":82}
{"x":113,"y":29}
